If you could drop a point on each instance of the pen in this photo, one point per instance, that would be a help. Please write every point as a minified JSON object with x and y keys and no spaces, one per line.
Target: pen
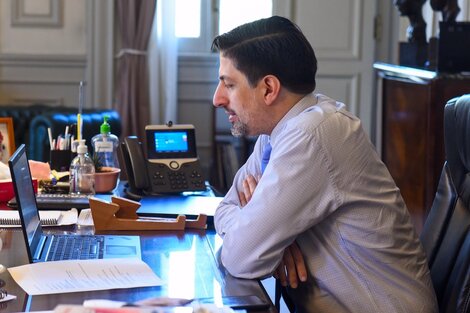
{"x":80,"y":108}
{"x":73,"y":146}
{"x":79,"y":126}
{"x":49,"y":132}
{"x":80,"y":97}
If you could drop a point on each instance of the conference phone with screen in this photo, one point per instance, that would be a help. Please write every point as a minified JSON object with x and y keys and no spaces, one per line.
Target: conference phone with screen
{"x":170,"y":165}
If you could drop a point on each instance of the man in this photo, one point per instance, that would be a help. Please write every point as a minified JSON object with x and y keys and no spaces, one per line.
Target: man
{"x":322,"y":188}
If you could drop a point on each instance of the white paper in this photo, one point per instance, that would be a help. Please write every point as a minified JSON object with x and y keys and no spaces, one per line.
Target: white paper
{"x":69,"y":217}
{"x":85,"y":218}
{"x":63,"y":217}
{"x":83,"y":275}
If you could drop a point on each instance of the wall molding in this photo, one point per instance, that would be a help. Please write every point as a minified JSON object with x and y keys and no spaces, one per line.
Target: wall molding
{"x":37,"y":78}
{"x":57,"y":60}
{"x":206,"y":59}
{"x":43,"y":100}
{"x":21,"y":18}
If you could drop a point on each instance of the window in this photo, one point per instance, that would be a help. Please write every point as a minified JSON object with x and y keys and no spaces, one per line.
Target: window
{"x":199,"y":21}
{"x":234,"y":13}
{"x":188,"y":18}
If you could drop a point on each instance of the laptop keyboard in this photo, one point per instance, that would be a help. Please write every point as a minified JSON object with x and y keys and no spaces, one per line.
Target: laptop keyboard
{"x":66,"y":247}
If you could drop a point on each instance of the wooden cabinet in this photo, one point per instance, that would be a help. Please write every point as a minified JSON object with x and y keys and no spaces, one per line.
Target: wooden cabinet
{"x":411,"y":106}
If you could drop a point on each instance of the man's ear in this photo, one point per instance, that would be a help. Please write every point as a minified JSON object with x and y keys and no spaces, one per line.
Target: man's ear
{"x":271,"y":88}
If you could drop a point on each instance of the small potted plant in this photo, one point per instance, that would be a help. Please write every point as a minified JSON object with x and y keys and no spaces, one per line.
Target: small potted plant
{"x":106,"y":178}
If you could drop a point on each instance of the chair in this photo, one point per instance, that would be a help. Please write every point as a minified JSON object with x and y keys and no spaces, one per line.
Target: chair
{"x":446,"y":236}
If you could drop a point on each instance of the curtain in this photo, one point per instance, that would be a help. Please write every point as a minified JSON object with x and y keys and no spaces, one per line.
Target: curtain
{"x":163,"y":62}
{"x":134,"y":18}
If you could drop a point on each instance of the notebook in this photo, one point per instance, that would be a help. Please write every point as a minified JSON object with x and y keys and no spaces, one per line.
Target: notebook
{"x":47,"y":247}
{"x":11,"y":218}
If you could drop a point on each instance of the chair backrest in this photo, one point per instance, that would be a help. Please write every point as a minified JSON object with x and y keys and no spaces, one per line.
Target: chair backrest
{"x":446,"y":236}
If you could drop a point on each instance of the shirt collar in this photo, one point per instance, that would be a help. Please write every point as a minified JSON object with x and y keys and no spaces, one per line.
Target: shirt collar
{"x":304,"y":103}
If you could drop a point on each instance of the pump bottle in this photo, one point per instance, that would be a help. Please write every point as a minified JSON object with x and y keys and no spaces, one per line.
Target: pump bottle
{"x":105,"y":145}
{"x":82,"y":172}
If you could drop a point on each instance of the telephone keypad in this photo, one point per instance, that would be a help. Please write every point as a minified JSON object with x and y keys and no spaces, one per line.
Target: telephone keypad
{"x":187,"y":177}
{"x":178,"y":180}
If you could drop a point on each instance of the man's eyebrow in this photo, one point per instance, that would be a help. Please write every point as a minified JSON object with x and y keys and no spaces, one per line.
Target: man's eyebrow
{"x":225,"y":78}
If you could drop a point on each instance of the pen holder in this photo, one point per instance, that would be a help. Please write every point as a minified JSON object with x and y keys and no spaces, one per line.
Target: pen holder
{"x":60,"y":160}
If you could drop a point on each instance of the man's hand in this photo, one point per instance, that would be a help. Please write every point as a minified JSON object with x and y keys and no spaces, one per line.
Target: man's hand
{"x":292,"y":268}
{"x":249,"y":185}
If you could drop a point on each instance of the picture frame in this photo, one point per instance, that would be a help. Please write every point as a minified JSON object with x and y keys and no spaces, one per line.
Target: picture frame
{"x":7,"y":139}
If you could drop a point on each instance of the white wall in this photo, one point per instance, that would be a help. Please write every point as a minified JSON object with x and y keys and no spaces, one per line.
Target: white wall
{"x":42,"y":51}
{"x":37,"y":37}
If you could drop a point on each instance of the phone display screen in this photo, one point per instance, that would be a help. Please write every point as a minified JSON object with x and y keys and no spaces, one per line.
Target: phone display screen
{"x":171,"y":143}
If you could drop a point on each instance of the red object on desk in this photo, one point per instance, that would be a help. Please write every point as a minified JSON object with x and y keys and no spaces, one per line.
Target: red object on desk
{"x":7,"y":191}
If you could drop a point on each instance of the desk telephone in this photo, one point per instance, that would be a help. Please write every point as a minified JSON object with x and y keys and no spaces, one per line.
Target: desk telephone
{"x":172,"y":165}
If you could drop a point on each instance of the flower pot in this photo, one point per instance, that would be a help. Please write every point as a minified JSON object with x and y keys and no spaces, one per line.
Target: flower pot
{"x":107,"y":179}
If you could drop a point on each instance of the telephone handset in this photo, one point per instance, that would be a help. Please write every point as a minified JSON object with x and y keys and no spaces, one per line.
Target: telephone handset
{"x":172,"y":165}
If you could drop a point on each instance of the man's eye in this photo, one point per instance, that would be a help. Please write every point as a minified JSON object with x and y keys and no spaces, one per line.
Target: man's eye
{"x":228,"y":86}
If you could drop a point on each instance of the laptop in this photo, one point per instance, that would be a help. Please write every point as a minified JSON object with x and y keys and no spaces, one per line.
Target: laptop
{"x":50,"y":247}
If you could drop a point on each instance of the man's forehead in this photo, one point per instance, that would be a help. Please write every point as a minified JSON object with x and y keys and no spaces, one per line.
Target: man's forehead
{"x":227,"y":68}
{"x":225,"y":63}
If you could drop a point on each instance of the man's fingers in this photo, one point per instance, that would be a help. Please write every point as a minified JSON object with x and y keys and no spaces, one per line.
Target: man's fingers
{"x":249,"y":186}
{"x":290,"y":268}
{"x":252,"y":183}
{"x":299,"y":261}
{"x":247,"y":191}
{"x":242,"y":198}
{"x":281,"y":274}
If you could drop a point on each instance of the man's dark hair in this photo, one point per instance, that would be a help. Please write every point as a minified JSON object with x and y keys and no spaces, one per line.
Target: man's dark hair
{"x":271,"y":46}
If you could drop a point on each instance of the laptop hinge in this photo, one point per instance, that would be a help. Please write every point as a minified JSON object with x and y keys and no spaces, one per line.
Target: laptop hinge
{"x":39,"y":248}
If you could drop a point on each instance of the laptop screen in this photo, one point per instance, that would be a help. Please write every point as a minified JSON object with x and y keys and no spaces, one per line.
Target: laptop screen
{"x":28,"y":211}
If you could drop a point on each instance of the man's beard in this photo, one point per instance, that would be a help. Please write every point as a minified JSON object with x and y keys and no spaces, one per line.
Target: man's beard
{"x":239,"y":129}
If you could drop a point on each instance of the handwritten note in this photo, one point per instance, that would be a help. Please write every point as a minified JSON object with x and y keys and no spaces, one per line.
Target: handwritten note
{"x":83,"y":275}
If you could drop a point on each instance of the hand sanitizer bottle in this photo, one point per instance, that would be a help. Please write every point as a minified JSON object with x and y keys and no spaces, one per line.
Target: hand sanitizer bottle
{"x":82,"y":172}
{"x":105,"y":145}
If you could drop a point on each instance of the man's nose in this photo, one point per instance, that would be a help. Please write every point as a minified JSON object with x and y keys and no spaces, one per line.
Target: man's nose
{"x":219,"y":100}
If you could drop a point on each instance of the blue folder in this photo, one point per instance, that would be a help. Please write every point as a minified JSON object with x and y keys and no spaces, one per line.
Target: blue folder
{"x":171,"y":206}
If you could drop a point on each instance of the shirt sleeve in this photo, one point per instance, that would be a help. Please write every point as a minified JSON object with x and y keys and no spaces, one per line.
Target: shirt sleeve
{"x":230,"y":205}
{"x":294,"y":193}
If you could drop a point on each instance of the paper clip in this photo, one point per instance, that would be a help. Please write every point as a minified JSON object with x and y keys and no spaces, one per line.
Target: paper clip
{"x":3,"y":292}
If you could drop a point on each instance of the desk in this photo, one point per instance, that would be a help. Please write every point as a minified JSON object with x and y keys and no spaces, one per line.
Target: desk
{"x":186,"y":261}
